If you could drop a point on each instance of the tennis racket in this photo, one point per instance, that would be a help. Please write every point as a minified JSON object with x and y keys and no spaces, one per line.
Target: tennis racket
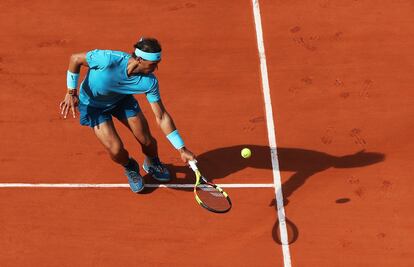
{"x":208,"y":195}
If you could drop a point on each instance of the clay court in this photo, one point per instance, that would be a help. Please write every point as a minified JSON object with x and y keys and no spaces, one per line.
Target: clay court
{"x":326,"y":109}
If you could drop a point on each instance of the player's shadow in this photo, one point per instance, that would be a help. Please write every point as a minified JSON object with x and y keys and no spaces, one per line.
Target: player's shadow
{"x":222,"y":162}
{"x":219,"y":163}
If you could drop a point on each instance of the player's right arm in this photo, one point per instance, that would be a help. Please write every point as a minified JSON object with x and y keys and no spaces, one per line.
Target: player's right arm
{"x":71,"y":99}
{"x":76,"y":61}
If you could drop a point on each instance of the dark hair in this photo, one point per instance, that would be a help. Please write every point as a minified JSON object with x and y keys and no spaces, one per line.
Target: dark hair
{"x":150,"y":45}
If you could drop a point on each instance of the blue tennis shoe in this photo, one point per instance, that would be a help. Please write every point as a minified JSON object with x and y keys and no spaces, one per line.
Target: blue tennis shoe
{"x":135,"y":180}
{"x":157,"y":169}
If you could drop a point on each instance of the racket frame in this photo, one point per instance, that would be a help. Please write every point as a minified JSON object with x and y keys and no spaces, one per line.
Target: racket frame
{"x":200,"y":180}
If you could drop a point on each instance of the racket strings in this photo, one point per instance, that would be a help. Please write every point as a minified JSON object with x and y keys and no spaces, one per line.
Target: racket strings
{"x":212,"y":197}
{"x":212,"y":191}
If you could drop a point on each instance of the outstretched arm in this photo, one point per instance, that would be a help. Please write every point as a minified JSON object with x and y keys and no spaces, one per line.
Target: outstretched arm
{"x":71,"y":98}
{"x":166,"y":123}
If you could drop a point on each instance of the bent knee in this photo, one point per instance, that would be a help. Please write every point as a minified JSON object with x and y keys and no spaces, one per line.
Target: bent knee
{"x":114,"y":148}
{"x":146,"y":140}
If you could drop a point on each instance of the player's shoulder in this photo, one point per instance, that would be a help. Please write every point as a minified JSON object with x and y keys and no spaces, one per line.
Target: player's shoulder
{"x":149,"y":81}
{"x":117,"y":53}
{"x":155,"y":84}
{"x":109,"y":53}
{"x":153,"y":78}
{"x":107,"y":57}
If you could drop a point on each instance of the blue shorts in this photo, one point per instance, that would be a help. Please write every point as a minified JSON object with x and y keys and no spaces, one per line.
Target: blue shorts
{"x":125,"y":108}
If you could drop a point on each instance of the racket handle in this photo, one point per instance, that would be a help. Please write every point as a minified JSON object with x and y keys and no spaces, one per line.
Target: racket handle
{"x":193,"y":165}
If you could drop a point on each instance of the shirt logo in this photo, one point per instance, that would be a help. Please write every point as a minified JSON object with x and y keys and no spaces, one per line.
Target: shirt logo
{"x":121,"y":83}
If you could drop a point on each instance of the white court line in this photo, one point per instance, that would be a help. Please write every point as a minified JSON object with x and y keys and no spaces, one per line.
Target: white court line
{"x":46,"y":185}
{"x":271,"y":135}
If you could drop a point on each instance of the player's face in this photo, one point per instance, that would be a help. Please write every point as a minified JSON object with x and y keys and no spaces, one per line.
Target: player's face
{"x":147,"y":67}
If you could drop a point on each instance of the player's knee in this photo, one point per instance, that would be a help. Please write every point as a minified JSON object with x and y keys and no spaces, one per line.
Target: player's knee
{"x":147,"y":140}
{"x":115,"y":148}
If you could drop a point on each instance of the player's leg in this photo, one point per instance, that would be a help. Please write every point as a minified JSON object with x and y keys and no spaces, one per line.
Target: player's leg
{"x":100,"y":120}
{"x":107,"y":135}
{"x":138,"y":125}
{"x":133,"y":118}
{"x":152,"y":164}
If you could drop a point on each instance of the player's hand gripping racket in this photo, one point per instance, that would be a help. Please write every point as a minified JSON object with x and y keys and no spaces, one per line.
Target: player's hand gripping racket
{"x":209,"y":195}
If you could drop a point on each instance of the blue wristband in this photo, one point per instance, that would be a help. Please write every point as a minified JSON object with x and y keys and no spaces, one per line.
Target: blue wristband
{"x":72,"y":80}
{"x":175,"y":139}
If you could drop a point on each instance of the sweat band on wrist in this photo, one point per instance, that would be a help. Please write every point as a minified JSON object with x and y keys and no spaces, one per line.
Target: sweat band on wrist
{"x":148,"y":56}
{"x":175,"y":139}
{"x":72,"y":80}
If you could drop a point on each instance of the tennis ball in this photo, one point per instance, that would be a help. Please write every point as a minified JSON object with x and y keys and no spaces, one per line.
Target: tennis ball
{"x":246,"y":153}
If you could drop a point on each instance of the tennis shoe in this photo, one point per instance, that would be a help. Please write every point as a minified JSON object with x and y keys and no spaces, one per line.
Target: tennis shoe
{"x":157,"y":169}
{"x":135,"y":180}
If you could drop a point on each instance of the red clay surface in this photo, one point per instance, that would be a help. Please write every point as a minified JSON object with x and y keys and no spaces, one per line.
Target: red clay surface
{"x":340,"y":78}
{"x":116,"y":228}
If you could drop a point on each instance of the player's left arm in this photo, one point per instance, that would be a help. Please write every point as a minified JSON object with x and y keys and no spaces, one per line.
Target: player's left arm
{"x":166,"y":123}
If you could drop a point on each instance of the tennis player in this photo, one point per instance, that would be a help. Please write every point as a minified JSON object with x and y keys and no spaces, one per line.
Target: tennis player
{"x":107,"y":91}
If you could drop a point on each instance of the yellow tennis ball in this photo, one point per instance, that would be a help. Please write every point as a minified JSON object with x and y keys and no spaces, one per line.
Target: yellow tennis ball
{"x":246,"y":153}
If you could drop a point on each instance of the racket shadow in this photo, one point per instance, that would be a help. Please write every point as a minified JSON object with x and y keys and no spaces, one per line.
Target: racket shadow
{"x":292,"y":229}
